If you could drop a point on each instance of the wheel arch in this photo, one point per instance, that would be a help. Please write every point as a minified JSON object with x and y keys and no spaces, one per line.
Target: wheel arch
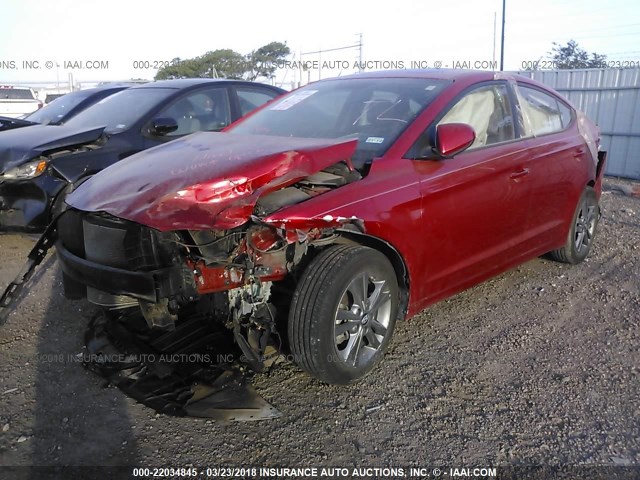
{"x":393,"y":255}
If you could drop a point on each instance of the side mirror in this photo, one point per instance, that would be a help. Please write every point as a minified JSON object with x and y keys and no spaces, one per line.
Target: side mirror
{"x":453,"y":138}
{"x":163,"y":126}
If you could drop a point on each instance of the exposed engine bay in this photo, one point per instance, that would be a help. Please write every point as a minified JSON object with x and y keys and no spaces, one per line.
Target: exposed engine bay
{"x":187,"y":264}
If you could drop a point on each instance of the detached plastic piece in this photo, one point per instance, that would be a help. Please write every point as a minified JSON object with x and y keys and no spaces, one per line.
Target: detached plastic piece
{"x":175,"y":373}
{"x":38,"y":253}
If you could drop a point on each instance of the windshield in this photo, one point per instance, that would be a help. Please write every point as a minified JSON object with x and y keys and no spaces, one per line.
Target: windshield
{"x":373,"y":110}
{"x":56,"y":110}
{"x":120,"y":111}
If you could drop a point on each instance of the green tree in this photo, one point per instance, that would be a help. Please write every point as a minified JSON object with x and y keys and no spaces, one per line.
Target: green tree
{"x":226,"y":63}
{"x":263,"y":62}
{"x":572,"y":55}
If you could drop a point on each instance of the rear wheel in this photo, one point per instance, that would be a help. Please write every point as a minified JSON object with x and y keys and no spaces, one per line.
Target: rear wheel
{"x":582,"y":231}
{"x":343,"y":313}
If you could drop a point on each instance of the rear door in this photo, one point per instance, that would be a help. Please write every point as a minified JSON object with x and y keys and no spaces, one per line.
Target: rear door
{"x":556,"y":153}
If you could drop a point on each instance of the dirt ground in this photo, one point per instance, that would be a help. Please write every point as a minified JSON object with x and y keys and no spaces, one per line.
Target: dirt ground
{"x":537,"y":366}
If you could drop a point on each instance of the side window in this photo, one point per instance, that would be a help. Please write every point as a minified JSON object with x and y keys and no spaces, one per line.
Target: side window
{"x":565,"y":113}
{"x":542,"y":113}
{"x":252,"y":98}
{"x":201,"y":110}
{"x":488,"y":111}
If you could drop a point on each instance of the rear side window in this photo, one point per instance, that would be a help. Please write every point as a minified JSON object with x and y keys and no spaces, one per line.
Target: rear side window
{"x":251,"y":98}
{"x":565,"y":114}
{"x":542,"y":113}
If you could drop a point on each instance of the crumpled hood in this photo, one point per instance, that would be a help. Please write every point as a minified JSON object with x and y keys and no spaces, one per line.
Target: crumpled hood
{"x":19,"y":145}
{"x":206,"y":180}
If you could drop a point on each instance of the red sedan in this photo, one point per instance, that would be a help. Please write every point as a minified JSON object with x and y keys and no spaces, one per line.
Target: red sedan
{"x":337,"y":209}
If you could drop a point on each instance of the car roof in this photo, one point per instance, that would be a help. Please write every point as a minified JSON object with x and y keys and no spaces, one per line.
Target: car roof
{"x":450,"y":74}
{"x":432,"y":73}
{"x":193,"y":82}
{"x":100,"y":88}
{"x":112,"y":85}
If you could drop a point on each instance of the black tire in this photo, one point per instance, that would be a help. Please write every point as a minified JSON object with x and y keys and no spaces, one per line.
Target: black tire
{"x":323,"y":344}
{"x":582,"y":231}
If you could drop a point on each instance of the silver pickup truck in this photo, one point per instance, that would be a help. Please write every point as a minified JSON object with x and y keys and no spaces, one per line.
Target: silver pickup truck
{"x":17,"y":101}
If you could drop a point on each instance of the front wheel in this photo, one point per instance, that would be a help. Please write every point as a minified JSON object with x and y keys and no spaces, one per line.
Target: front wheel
{"x":343,"y":313}
{"x":582,"y":231}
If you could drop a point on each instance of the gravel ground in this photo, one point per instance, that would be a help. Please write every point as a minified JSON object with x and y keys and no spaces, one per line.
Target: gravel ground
{"x":537,"y":366}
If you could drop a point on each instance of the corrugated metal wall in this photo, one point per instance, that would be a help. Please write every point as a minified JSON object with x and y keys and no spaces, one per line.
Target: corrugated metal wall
{"x":610,"y":97}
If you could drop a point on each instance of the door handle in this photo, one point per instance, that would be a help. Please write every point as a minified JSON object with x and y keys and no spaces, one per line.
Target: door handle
{"x":520,"y":173}
{"x":579,"y":153}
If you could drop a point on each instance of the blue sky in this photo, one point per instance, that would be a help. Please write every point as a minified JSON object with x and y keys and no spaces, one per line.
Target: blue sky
{"x":121,"y":32}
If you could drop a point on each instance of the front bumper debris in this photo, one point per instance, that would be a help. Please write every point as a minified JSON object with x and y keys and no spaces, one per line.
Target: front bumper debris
{"x":149,"y":285}
{"x":25,"y":205}
{"x":191,"y":371}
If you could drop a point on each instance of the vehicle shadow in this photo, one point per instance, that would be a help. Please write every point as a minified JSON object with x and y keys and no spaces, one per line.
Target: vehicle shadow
{"x":78,"y":422}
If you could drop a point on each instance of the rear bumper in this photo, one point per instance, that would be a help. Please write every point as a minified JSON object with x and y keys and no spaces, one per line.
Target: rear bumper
{"x":602,"y":161}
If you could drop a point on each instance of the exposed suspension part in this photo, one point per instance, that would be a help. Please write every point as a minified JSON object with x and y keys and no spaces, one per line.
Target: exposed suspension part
{"x":254,"y":323}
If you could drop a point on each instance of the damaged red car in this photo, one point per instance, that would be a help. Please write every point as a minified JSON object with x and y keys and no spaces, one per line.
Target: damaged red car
{"x":316,"y":223}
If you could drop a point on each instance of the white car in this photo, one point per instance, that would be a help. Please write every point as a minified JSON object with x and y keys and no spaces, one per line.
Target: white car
{"x":17,"y":101}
